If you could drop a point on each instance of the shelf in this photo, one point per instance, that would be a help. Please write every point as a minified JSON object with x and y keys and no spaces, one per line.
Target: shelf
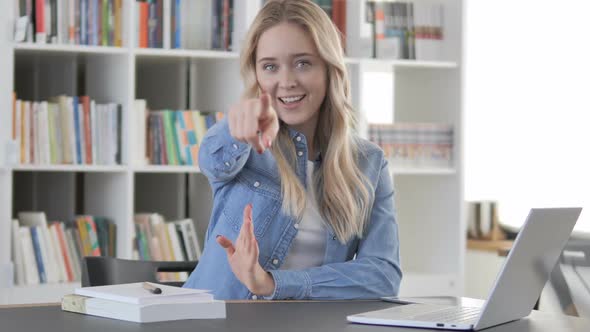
{"x":70,"y":168}
{"x":179,"y":53}
{"x":422,"y":171}
{"x":76,"y":49}
{"x":403,"y":64}
{"x":166,"y":169}
{"x":501,"y":247}
{"x":43,"y":293}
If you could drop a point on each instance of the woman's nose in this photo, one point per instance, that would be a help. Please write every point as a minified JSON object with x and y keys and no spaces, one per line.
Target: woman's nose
{"x":287,"y":80}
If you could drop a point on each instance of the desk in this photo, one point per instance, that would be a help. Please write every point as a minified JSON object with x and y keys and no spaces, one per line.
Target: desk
{"x":256,"y":316}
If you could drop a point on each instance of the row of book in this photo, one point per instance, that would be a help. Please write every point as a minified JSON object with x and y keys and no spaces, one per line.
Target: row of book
{"x":52,"y":252}
{"x":171,"y":137}
{"x":79,"y":22}
{"x":67,"y":130}
{"x":336,"y":10}
{"x":415,"y":144}
{"x":407,"y":30}
{"x":390,"y":29}
{"x":156,"y":239}
{"x":184,"y":24}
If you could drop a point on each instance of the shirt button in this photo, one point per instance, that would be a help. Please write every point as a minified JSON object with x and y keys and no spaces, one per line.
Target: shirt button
{"x":334,"y":238}
{"x":256,"y":184}
{"x":235,"y":146}
{"x":296,"y":226}
{"x":275,"y":261}
{"x":300,"y":153}
{"x":227,"y":164}
{"x":298,"y":138}
{"x":254,"y":297}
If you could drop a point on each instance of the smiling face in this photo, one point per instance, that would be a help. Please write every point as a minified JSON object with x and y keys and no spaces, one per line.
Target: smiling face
{"x":290,"y":69}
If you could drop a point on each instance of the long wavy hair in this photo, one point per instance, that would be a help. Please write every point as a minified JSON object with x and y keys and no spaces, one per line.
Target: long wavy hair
{"x":342,"y":190}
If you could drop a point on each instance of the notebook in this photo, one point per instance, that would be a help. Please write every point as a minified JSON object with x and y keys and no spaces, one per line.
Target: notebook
{"x":516,"y":289}
{"x":136,"y":303}
{"x":135,"y":293}
{"x":143,"y":313}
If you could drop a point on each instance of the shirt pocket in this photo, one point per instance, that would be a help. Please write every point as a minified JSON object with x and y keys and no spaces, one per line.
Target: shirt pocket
{"x":264,"y":199}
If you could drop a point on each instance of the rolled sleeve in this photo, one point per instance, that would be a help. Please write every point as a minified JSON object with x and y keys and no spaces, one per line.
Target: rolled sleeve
{"x":291,"y":284}
{"x":221,"y":157}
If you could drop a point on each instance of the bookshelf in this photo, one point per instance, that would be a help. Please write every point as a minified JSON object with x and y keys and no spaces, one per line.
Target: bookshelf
{"x":428,"y":200}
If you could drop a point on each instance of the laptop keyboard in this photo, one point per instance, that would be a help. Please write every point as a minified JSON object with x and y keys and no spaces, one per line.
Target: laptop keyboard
{"x":451,"y":315}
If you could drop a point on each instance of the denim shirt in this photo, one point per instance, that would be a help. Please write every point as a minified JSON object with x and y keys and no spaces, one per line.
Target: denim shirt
{"x":361,"y":268}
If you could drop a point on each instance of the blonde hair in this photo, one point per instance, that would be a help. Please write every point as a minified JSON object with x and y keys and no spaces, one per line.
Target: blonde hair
{"x":342,"y":190}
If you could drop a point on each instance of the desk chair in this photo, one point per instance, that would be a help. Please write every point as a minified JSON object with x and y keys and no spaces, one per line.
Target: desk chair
{"x":99,"y":271}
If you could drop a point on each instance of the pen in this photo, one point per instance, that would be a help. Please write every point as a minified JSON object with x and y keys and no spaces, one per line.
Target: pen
{"x":153,"y":289}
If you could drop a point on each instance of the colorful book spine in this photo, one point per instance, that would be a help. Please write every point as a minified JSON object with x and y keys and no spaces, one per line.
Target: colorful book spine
{"x":143,"y":24}
{"x":40,"y":30}
{"x":92,"y":235}
{"x":75,"y":104}
{"x":118,"y":35}
{"x":177,"y":24}
{"x":173,"y":137}
{"x":63,"y":246}
{"x":87,"y":157}
{"x":35,"y":236}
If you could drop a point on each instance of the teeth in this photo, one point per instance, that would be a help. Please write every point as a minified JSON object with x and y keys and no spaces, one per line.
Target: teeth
{"x":288,"y":100}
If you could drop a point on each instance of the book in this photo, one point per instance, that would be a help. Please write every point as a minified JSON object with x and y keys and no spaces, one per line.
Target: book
{"x":17,"y":254}
{"x":134,"y":293}
{"x":143,"y":313}
{"x":29,"y":258}
{"x":188,"y":236}
{"x":36,"y":238}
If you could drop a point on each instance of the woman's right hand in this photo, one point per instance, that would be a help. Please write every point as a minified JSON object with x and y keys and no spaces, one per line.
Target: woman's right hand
{"x":254,"y":121}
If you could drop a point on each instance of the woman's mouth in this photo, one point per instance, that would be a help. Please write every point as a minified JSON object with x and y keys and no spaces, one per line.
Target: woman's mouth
{"x":291,"y":101}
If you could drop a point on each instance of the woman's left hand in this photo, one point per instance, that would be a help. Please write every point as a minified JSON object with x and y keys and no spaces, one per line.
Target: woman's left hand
{"x":243,"y":258}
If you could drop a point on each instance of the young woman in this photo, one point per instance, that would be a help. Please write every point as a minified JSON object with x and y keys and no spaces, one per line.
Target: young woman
{"x":303,"y":208}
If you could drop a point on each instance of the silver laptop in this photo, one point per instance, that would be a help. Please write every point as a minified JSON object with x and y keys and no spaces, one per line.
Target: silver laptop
{"x":516,"y":289}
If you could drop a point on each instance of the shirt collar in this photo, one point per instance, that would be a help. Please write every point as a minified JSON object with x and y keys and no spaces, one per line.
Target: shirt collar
{"x":294,"y":133}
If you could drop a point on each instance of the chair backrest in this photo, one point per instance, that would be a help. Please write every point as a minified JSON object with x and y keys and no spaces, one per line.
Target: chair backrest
{"x":99,"y":271}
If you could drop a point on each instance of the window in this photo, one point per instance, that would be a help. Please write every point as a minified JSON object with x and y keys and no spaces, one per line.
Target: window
{"x":527,"y":106}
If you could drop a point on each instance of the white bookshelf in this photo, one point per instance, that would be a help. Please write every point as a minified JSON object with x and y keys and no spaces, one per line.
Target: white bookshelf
{"x":422,"y":171}
{"x":428,"y":201}
{"x":69,"y":168}
{"x":193,"y":54}
{"x":37,"y":48}
{"x":166,"y":169}
{"x":402,"y":64}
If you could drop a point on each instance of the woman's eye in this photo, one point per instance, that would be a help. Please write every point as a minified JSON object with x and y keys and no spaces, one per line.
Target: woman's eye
{"x":302,"y":64}
{"x":269,"y":67}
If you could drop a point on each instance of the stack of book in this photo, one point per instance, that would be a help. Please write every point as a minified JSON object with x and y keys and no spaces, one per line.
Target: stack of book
{"x":420,"y":145}
{"x":45,"y":252}
{"x":389,"y":29}
{"x":144,"y":303}
{"x":67,"y":130}
{"x":407,"y":30}
{"x":81,"y":22}
{"x":172,"y":24}
{"x":158,"y":240}
{"x":171,"y":137}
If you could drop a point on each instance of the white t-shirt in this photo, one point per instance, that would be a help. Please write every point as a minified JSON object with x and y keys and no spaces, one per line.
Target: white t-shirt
{"x":309,"y":245}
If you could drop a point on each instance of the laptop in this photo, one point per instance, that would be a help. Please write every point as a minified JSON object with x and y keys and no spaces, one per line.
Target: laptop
{"x":525,"y":272}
